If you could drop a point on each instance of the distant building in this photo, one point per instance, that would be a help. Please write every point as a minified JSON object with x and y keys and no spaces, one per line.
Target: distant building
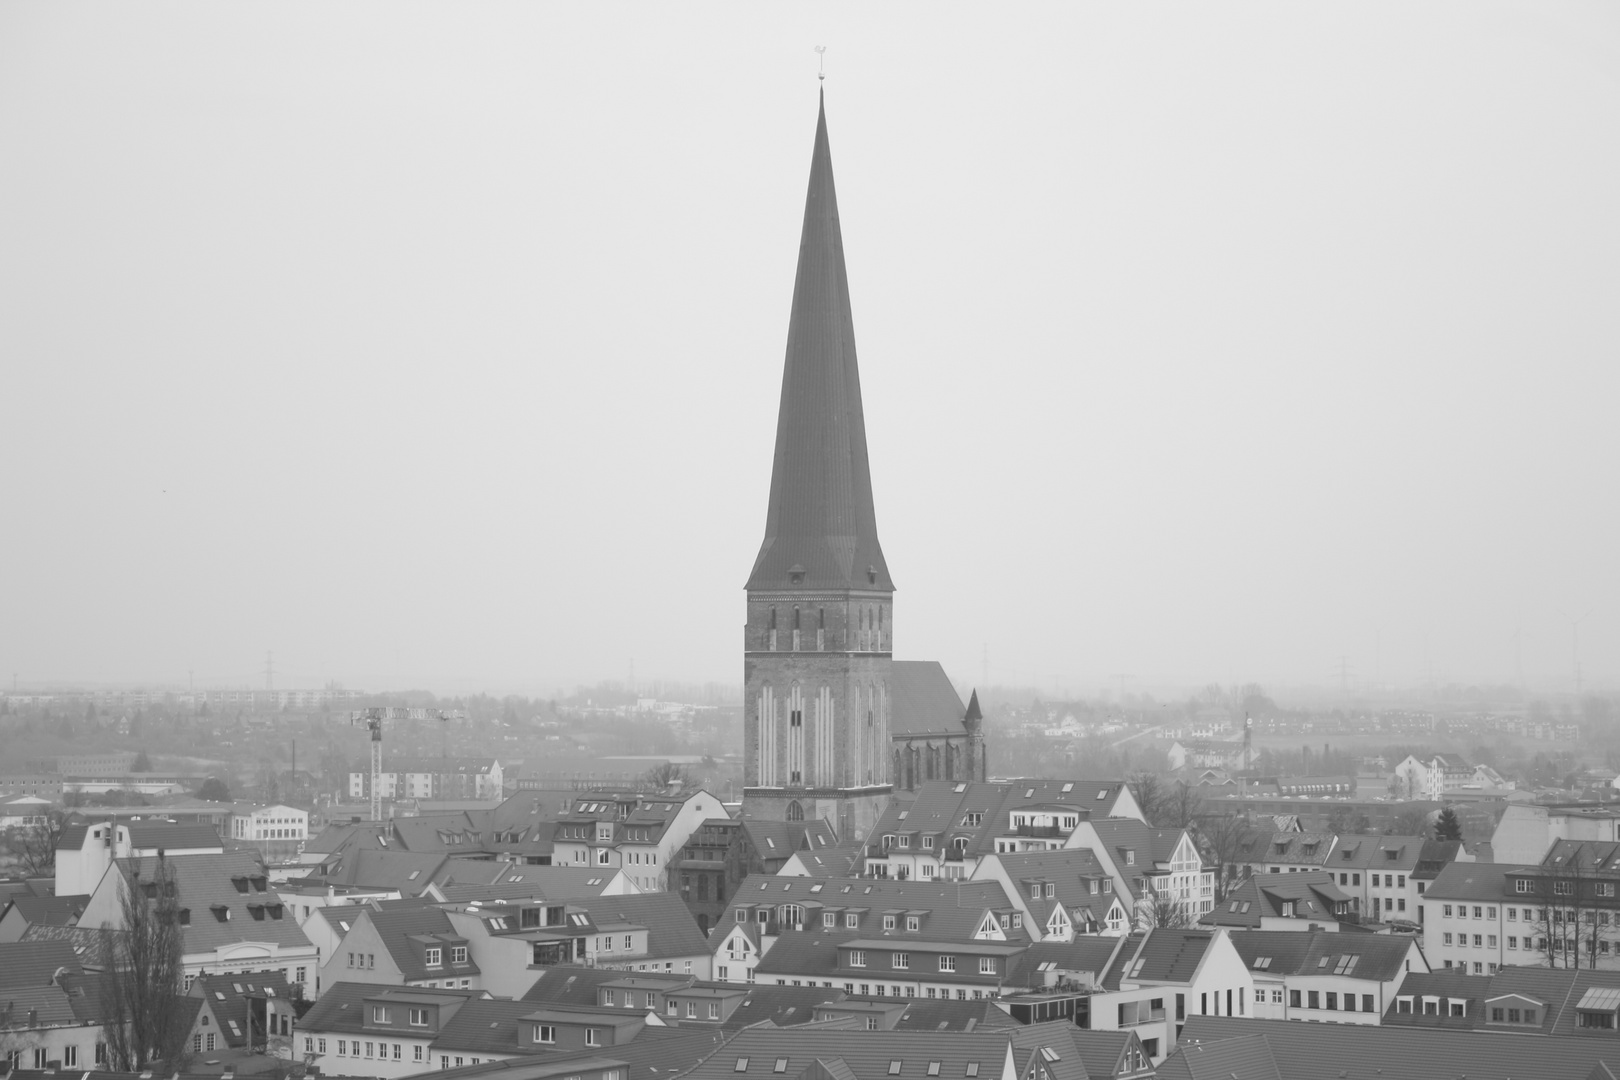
{"x":433,"y":778}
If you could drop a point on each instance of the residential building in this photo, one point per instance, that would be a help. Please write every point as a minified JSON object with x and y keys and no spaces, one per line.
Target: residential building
{"x":1061,"y":893}
{"x":806,"y":918}
{"x":1466,"y":920}
{"x":433,"y":778}
{"x":947,"y":828}
{"x":1324,"y":977}
{"x":1379,"y":874}
{"x":85,"y":851}
{"x":723,"y":851}
{"x":1527,"y":830}
{"x":251,"y":1013}
{"x":51,"y":1021}
{"x":1266,"y":849}
{"x":1308,"y":900}
{"x":640,"y":833}
{"x":402,"y":947}
{"x":232,"y":922}
{"x":650,"y":932}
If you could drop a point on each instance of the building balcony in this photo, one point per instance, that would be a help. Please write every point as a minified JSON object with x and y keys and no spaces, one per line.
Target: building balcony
{"x":1048,"y":831}
{"x":953,"y":854}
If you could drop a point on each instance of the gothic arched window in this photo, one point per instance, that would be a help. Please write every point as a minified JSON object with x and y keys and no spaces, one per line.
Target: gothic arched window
{"x":795,"y":812}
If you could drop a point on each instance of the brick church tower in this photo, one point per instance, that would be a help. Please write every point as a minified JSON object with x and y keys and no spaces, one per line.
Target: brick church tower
{"x":817,"y":648}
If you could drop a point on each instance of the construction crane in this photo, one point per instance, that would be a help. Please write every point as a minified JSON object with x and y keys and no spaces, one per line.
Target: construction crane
{"x":373,"y":719}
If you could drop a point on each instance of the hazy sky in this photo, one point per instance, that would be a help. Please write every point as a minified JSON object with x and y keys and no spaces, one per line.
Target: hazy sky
{"x":440,"y":344}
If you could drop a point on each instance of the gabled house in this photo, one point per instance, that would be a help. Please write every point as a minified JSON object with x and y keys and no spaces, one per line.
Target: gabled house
{"x":1062,"y":894}
{"x":1337,"y":978}
{"x":947,"y":827}
{"x":251,"y":1013}
{"x":232,"y":921}
{"x":767,"y":912}
{"x":416,"y":947}
{"x":1308,"y":900}
{"x":641,"y":833}
{"x":1267,"y":850}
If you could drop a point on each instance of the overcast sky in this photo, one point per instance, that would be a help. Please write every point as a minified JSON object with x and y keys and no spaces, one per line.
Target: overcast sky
{"x":439,"y":344}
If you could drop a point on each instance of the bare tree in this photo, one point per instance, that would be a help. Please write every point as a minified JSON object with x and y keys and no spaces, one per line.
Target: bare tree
{"x":1182,"y":806}
{"x":1150,"y":795}
{"x":35,"y":844}
{"x":1220,"y":836}
{"x":142,"y":971}
{"x":1161,"y":911}
{"x":665,"y":774}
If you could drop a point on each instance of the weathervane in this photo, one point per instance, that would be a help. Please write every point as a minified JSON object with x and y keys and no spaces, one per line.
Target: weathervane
{"x":821,"y":73}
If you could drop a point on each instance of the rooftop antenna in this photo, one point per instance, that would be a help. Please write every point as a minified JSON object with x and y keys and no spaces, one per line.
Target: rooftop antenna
{"x":821,"y":69}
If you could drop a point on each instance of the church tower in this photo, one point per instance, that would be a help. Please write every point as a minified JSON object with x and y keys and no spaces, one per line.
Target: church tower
{"x":817,"y":648}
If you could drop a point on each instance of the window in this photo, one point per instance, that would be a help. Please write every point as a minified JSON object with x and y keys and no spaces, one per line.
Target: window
{"x":591,"y":1037}
{"x":902,"y":960}
{"x":418,"y":1055}
{"x":1446,"y":910}
{"x":741,"y":1066}
{"x":828,"y":919}
{"x":1522,"y":885}
{"x":418,"y":1018}
{"x":888,"y":922}
{"x":857,"y":958}
{"x":458,"y":954}
{"x":912,"y":923}
{"x":545,"y":1033}
{"x":987,"y":965}
{"x":947,"y":963}
{"x":851,"y":921}
{"x":714,"y":1010}
{"x":432,"y":957}
{"x":380,"y":1014}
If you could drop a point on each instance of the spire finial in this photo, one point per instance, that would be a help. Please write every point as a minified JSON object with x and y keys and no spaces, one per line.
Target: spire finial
{"x":821,"y":71}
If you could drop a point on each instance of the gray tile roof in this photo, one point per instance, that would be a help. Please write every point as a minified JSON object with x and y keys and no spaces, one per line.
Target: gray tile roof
{"x":1160,"y":955}
{"x":672,"y":932}
{"x":569,"y":985}
{"x":763,"y":1053}
{"x":407,"y":933}
{"x":1312,"y":891}
{"x":922,"y":699}
{"x":33,"y":963}
{"x":952,"y":909}
{"x":1367,"y":1052}
{"x":1379,"y":957}
{"x":1247,"y":1057}
{"x":209,"y":881}
{"x":1471,"y":881}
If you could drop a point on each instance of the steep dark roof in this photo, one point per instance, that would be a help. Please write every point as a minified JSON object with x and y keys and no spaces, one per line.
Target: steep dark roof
{"x":821,"y":521}
{"x":922,"y":699}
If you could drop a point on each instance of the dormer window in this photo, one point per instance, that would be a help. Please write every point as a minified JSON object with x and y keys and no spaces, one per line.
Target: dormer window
{"x":432,"y":957}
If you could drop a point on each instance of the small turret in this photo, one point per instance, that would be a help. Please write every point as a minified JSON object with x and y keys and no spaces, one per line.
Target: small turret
{"x":973,"y":723}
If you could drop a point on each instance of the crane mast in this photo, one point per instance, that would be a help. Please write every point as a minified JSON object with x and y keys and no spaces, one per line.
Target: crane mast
{"x":373,"y":719}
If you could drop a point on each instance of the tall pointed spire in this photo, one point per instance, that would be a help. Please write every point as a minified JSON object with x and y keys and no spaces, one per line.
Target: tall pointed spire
{"x":821,"y":527}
